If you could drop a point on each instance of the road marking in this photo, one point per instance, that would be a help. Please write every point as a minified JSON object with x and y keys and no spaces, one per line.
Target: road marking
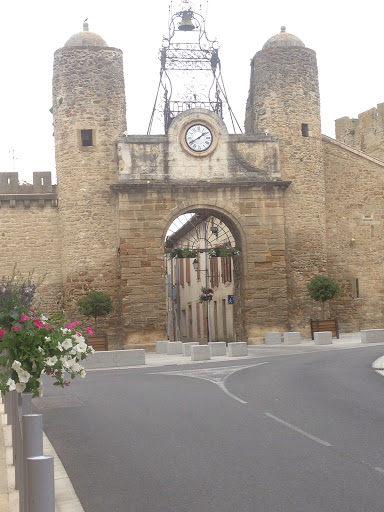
{"x":297,"y":429}
{"x":217,"y":376}
{"x":380,"y":470}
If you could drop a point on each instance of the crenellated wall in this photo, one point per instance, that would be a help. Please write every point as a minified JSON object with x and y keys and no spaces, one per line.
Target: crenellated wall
{"x":365,"y":133}
{"x":30,"y":234}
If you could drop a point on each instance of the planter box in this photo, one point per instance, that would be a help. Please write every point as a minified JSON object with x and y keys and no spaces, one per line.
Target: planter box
{"x":332,"y":324}
{"x":99,"y":343}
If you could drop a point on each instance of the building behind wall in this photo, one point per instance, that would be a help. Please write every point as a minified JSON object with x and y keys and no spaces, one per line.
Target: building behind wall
{"x":298,"y":203}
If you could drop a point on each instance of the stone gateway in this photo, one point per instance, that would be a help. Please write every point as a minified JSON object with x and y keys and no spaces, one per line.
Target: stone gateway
{"x":296,"y":203}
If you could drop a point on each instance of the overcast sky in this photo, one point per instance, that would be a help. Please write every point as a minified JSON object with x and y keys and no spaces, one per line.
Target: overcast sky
{"x":347,"y":37}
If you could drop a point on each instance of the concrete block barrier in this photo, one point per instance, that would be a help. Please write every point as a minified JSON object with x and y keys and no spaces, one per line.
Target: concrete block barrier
{"x":323,"y":338}
{"x":372,"y":336}
{"x":115,"y":358}
{"x":292,"y":338}
{"x":200,"y":353}
{"x":237,"y":348}
{"x":272,"y":338}
{"x":161,"y":347}
{"x":218,"y":348}
{"x":186,"y":348}
{"x":174,"y":347}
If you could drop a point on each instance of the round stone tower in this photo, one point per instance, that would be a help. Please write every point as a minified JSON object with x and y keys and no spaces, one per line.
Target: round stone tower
{"x":284,"y":101}
{"x":88,"y":116}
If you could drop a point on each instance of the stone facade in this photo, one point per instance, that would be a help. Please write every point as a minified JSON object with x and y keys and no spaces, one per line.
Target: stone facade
{"x":297,"y":204}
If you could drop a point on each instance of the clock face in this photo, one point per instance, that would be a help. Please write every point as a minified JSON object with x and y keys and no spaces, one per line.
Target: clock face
{"x":198,"y":138}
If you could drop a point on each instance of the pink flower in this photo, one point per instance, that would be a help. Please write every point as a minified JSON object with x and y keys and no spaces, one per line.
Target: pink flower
{"x":2,"y":332}
{"x":14,"y":328}
{"x":90,"y":331}
{"x":24,"y":317}
{"x":72,"y":325}
{"x":31,"y":309}
{"x":48,"y":372}
{"x":38,"y":323}
{"x":67,"y":383}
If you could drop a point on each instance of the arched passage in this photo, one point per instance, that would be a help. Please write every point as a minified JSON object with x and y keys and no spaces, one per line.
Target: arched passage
{"x":203,"y":277}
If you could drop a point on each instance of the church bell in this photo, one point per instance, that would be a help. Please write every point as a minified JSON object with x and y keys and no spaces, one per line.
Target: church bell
{"x":186,"y":24}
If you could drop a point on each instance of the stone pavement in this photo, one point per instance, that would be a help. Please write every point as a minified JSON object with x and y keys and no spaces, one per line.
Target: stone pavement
{"x":66,"y":499}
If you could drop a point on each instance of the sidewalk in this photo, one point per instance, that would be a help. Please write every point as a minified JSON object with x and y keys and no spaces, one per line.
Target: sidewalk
{"x":66,"y":498}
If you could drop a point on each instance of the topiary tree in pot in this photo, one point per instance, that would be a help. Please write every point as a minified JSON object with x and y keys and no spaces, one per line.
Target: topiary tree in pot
{"x":95,"y":304}
{"x":322,"y":289}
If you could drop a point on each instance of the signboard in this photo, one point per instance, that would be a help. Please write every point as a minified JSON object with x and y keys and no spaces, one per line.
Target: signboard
{"x":231,"y":299}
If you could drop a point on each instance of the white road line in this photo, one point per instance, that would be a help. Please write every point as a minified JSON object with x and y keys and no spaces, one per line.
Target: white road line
{"x":380,"y":470}
{"x":296,"y":429}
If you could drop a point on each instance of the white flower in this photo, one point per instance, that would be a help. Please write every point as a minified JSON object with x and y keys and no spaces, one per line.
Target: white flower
{"x":69,"y":363}
{"x":16,"y":365}
{"x":11,"y":385}
{"x":51,"y":361}
{"x":59,"y":346}
{"x":43,"y":318}
{"x":75,"y":368}
{"x":83,"y":373}
{"x":91,"y":349}
{"x":20,"y":387}
{"x":24,"y":376}
{"x":67,"y":344}
{"x":65,"y":330}
{"x":47,"y":338}
{"x":40,"y":350}
{"x":81,"y":347}
{"x":80,"y":339}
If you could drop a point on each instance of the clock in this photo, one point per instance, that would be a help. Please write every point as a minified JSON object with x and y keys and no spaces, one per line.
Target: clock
{"x":198,"y":138}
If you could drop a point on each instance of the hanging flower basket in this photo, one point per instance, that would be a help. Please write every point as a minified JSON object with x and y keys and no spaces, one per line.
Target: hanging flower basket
{"x":221,"y":251}
{"x":206,"y":295}
{"x":186,"y":252}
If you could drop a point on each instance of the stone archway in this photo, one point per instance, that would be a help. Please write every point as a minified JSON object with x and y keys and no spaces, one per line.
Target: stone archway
{"x":254,"y":214}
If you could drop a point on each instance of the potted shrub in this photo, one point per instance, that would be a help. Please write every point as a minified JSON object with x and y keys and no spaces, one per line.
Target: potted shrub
{"x":324,"y":288}
{"x":96,"y":304}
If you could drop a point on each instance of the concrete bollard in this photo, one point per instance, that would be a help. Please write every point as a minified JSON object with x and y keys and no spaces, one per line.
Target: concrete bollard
{"x":237,"y":348}
{"x":174,"y":347}
{"x":41,"y":484}
{"x":186,"y":348}
{"x":292,"y":338}
{"x":272,"y":338}
{"x":161,"y":347}
{"x":32,"y":446}
{"x":372,"y":336}
{"x":200,"y":353}
{"x":218,"y":348}
{"x":323,"y":338}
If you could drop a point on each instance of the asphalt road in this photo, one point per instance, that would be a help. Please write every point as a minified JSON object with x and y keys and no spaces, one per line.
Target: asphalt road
{"x":294,"y":433}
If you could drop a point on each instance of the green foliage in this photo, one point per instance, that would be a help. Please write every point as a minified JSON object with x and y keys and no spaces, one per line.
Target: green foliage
{"x":323,"y":288}
{"x":95,"y":304}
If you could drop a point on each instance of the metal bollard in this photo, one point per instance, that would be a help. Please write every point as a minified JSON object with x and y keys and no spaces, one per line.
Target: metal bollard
{"x":41,"y":484}
{"x":24,"y":407}
{"x":8,"y":407}
{"x":15,"y":419}
{"x":32,"y":446}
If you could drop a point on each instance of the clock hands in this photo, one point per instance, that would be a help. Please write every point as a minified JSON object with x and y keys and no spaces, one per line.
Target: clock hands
{"x":198,"y":136}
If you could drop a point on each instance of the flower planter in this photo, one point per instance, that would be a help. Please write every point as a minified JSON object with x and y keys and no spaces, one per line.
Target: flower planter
{"x":99,"y":343}
{"x":331,"y":324}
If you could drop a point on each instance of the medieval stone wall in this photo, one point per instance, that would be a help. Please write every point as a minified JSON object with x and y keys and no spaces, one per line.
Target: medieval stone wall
{"x":365,"y":133}
{"x":355,"y":234}
{"x":30,"y":235}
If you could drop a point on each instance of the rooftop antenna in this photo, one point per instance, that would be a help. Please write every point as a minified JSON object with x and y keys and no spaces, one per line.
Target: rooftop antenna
{"x":13,"y":159}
